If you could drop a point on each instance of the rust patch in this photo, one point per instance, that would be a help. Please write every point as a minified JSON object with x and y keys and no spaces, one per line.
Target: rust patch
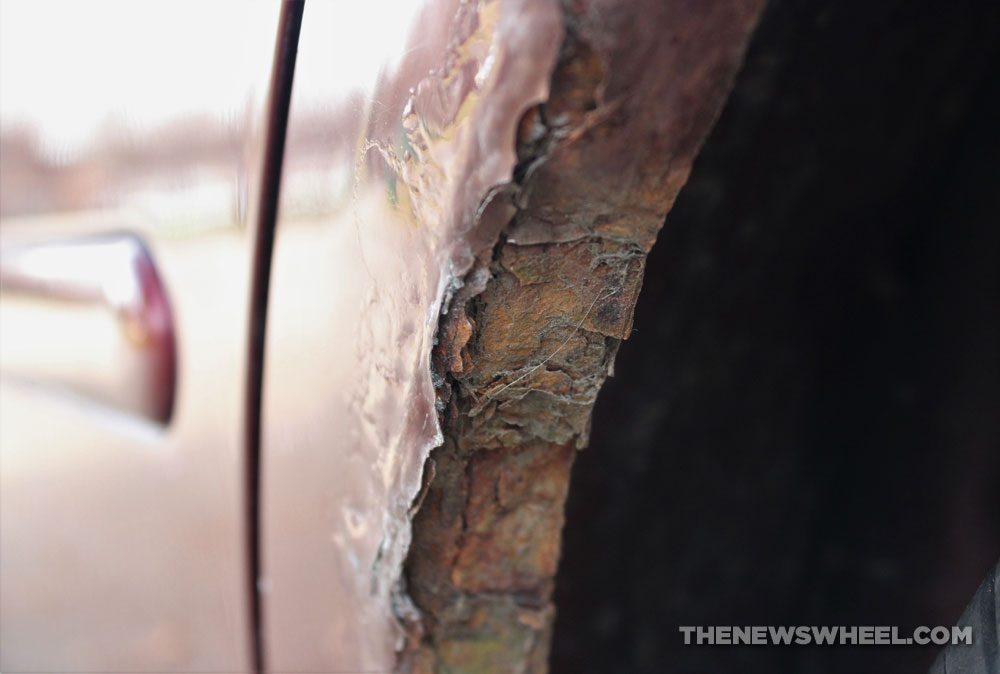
{"x":530,"y":339}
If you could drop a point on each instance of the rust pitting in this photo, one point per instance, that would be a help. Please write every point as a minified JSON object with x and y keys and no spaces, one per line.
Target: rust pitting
{"x":531,"y":333}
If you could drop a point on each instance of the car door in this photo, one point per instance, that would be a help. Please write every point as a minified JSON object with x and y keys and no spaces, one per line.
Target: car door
{"x":132,"y":145}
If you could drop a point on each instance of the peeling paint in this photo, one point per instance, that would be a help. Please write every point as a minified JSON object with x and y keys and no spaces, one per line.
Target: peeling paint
{"x":528,"y":341}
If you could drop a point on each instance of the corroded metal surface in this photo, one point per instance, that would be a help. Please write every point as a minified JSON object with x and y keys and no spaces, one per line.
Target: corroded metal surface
{"x":462,"y":208}
{"x":411,"y":167}
{"x":532,"y":334}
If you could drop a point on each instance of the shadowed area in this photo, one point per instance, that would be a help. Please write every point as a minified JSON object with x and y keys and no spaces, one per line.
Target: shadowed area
{"x":804,"y":426}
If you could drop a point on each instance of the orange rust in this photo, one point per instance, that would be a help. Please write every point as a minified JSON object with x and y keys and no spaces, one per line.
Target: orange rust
{"x":524,"y":357}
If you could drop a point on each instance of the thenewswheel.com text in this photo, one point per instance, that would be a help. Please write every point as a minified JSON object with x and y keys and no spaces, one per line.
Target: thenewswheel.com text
{"x":814,"y":635}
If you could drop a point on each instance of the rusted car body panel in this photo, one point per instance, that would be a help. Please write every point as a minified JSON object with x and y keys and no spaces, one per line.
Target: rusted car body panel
{"x":469,"y":192}
{"x":416,"y":166}
{"x":475,"y":254}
